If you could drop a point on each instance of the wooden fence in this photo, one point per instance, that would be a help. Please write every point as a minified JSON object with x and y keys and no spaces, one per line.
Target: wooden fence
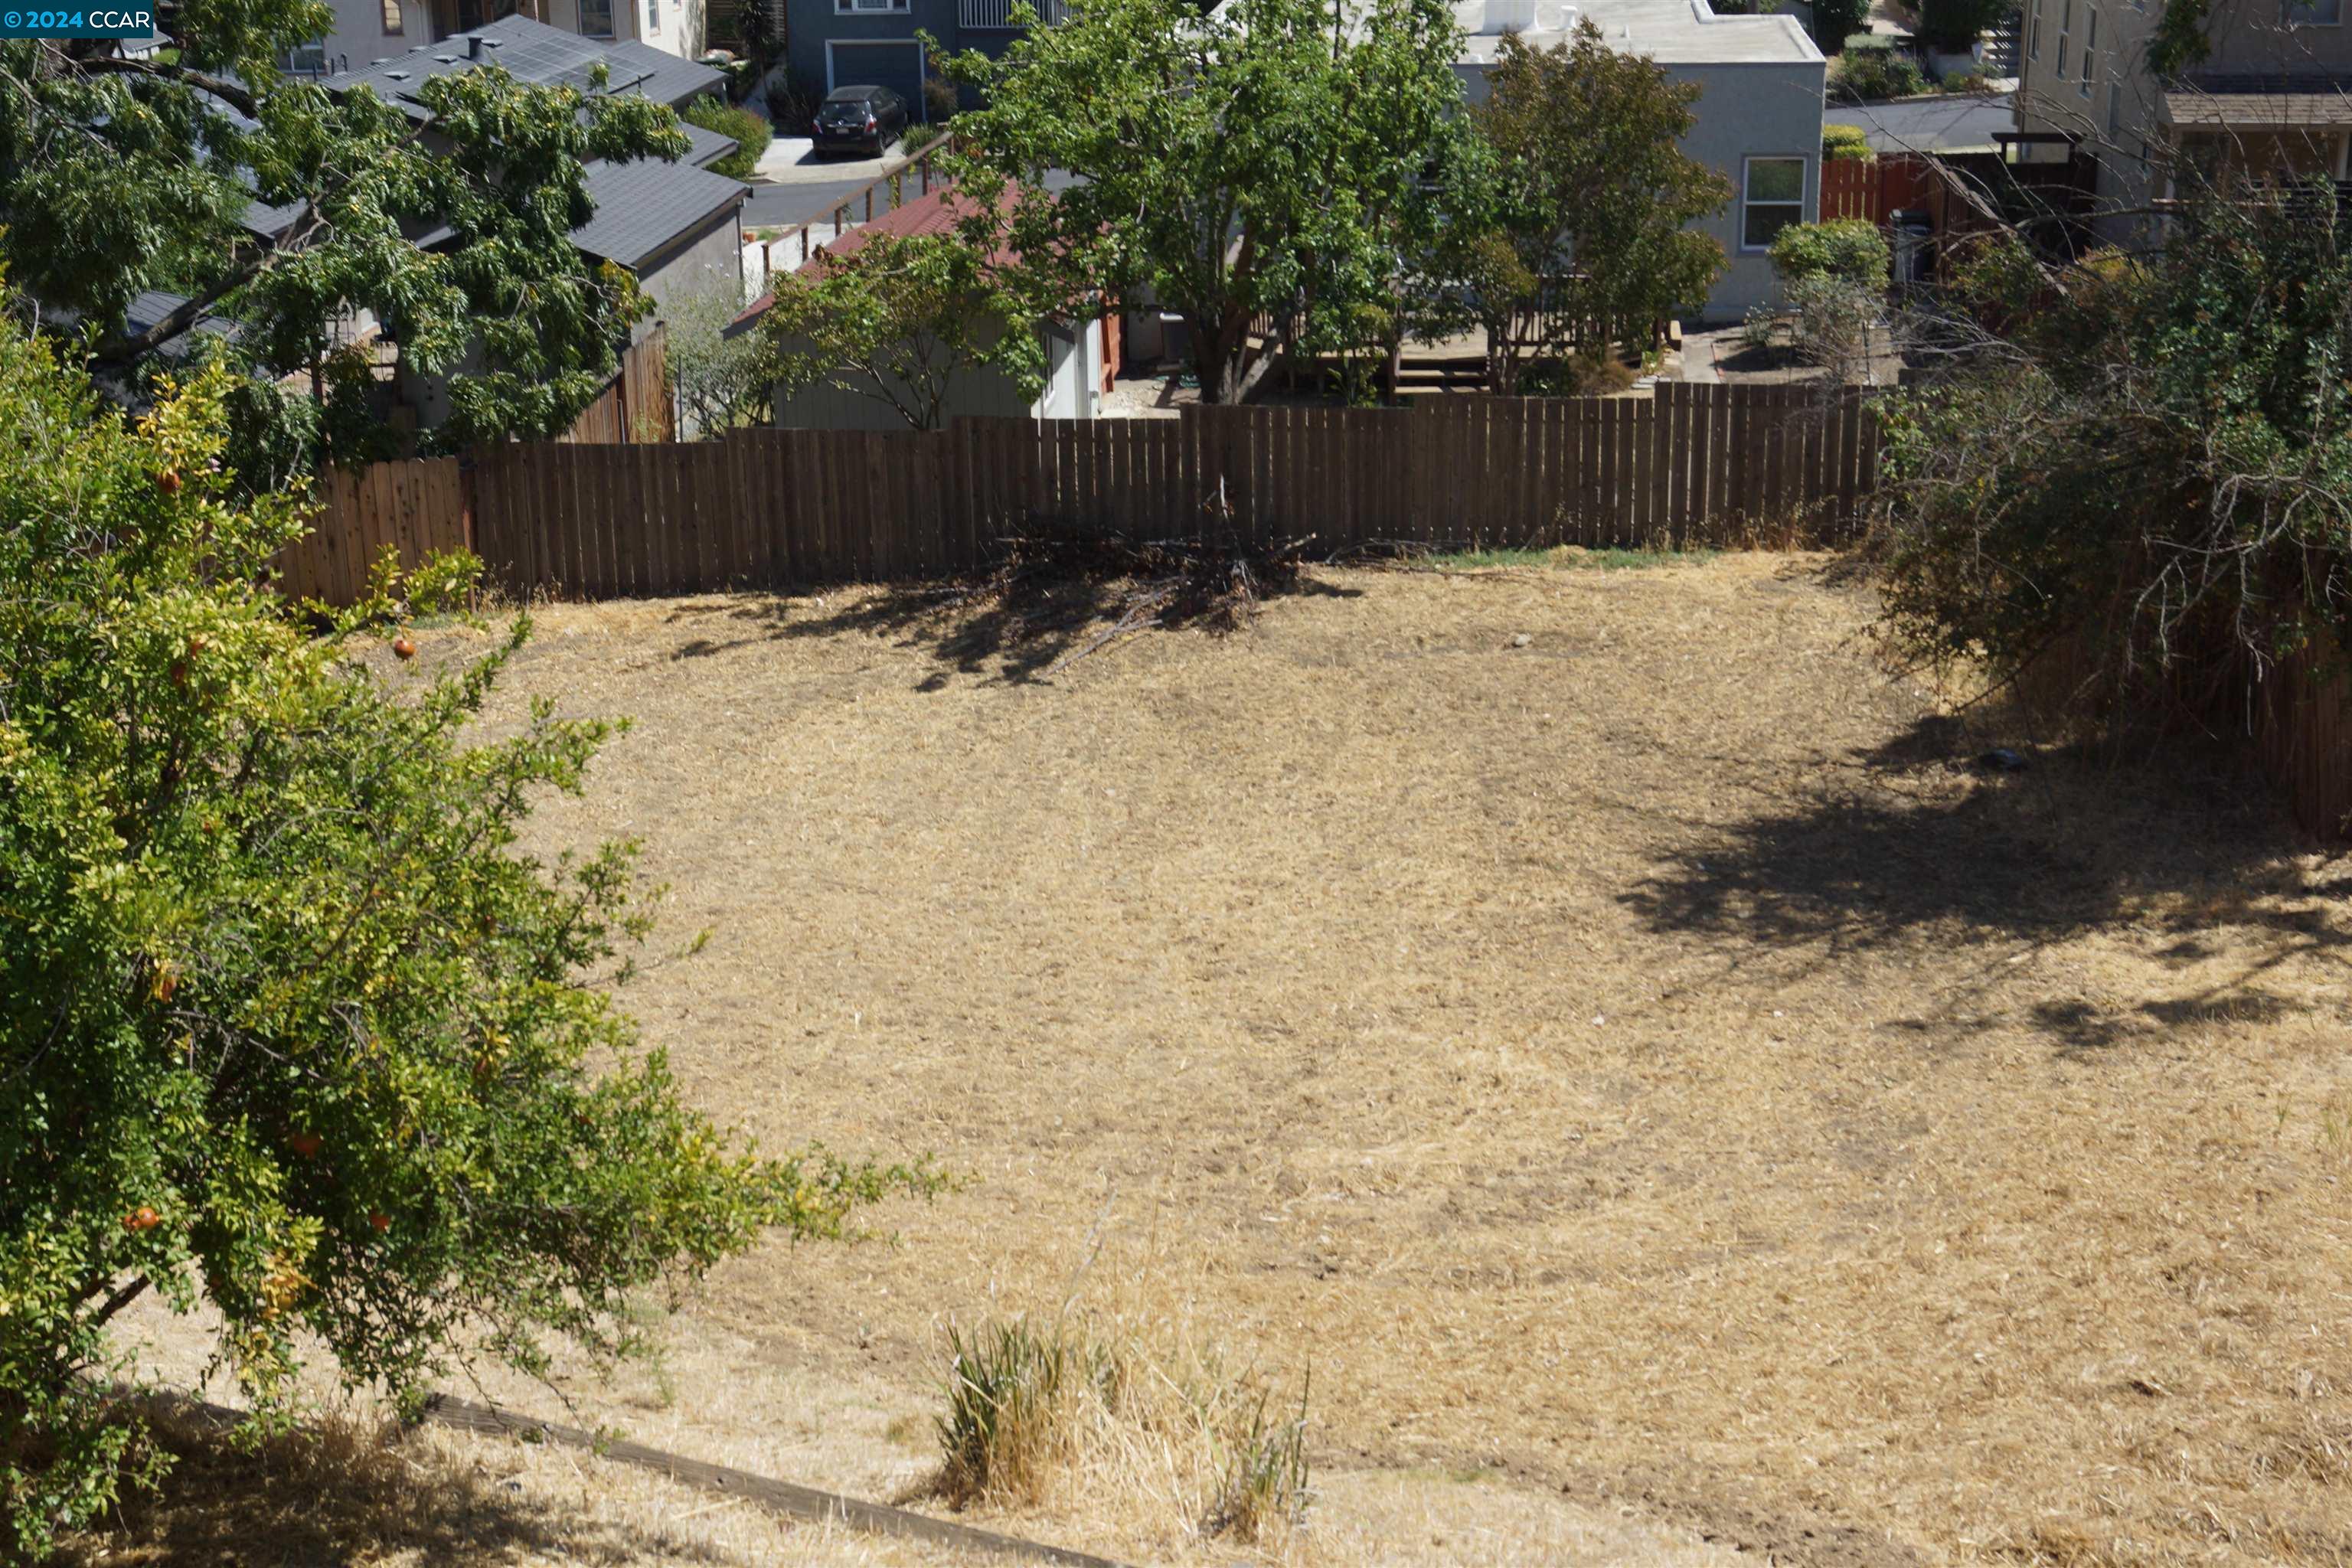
{"x":769,"y":508}
{"x":1875,"y":189}
{"x":636,"y":406}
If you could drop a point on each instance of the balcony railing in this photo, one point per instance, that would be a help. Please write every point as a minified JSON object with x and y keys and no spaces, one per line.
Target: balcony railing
{"x":998,"y":14}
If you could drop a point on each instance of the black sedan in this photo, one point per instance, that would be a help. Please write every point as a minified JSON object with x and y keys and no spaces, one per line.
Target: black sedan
{"x":860,"y":119}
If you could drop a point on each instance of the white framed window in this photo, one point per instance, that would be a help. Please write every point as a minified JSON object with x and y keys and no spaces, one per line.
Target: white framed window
{"x":2090,"y":48}
{"x":1771,"y":197}
{"x":851,"y":7}
{"x":305,"y":59}
{"x":2314,"y":13}
{"x":596,"y":18}
{"x":2065,"y":33}
{"x":392,"y":23}
{"x":2034,"y":32}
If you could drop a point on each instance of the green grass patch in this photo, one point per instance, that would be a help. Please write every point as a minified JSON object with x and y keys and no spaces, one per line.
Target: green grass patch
{"x":1567,"y":557}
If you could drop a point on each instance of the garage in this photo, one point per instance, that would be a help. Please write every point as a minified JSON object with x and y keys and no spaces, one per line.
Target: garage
{"x":894,"y":63}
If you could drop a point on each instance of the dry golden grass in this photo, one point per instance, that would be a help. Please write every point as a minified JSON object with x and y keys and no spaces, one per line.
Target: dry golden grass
{"x":1644,"y":1069}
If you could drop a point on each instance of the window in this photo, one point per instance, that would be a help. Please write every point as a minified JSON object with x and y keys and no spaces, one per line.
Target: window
{"x":1774,"y":198}
{"x":596,"y":18}
{"x":392,"y":26}
{"x":2065,"y":28}
{"x":2090,"y":48}
{"x":2033,"y":33}
{"x":846,"y":7}
{"x":2314,"y":13}
{"x":653,"y":17}
{"x":305,"y":59}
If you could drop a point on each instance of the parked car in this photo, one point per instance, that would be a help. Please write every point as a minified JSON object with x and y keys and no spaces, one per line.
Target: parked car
{"x":860,"y":119}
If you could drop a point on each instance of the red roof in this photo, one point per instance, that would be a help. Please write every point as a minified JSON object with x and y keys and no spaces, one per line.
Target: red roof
{"x":935,"y":214}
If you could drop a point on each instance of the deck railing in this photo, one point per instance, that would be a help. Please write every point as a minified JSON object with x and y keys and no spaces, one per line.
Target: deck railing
{"x":998,"y":14}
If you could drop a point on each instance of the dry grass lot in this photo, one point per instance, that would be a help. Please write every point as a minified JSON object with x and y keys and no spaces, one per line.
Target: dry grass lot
{"x":1647,"y":1066}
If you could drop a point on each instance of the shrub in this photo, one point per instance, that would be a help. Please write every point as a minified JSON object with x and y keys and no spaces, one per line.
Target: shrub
{"x":1872,"y":76}
{"x":1973,"y":82}
{"x":1845,"y":143}
{"x":940,"y":104}
{"x":1852,"y":249}
{"x":294,"y":1037}
{"x":750,"y":133}
{"x":1834,"y":320}
{"x":2145,"y":466}
{"x":1583,"y":374}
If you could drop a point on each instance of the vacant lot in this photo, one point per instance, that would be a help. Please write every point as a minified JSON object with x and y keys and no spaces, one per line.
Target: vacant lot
{"x":1648,"y":1064}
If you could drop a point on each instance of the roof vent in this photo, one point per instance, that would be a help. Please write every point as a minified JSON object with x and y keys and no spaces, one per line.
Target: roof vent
{"x":397,"y":76}
{"x":445,"y":60}
{"x":474,"y":47}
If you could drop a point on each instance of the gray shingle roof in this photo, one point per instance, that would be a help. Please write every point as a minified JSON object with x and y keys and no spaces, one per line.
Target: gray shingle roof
{"x":645,"y":207}
{"x":152,"y":306}
{"x":536,"y":53}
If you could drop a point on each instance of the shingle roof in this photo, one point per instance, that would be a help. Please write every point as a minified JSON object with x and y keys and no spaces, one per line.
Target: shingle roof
{"x":2254,"y":103}
{"x":645,"y":205}
{"x":536,"y":53}
{"x":933,"y":213}
{"x":152,"y":306}
{"x":706,"y":147}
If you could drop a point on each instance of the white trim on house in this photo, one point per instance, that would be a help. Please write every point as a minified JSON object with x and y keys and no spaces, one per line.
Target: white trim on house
{"x":922,"y":60}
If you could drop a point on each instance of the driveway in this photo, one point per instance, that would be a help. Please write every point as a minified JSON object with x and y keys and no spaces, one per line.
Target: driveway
{"x":794,"y":185}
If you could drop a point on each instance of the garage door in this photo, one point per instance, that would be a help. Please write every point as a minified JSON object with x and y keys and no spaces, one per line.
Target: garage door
{"x":896,"y":64}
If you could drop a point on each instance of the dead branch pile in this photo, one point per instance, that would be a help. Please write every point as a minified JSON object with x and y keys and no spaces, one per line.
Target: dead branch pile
{"x":1095,"y":589}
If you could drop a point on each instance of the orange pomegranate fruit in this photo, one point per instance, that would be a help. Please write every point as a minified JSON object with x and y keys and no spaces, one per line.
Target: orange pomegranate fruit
{"x":142,"y":1218}
{"x":403,"y":647}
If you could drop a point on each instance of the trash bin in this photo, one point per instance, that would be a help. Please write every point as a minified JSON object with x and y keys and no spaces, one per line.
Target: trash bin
{"x":1914,"y":245}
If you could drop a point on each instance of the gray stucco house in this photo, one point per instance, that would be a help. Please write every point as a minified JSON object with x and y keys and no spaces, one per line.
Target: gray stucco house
{"x":846,"y":43}
{"x":1758,"y":118}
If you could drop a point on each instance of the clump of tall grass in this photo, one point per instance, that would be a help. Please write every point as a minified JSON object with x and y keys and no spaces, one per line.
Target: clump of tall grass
{"x":1068,"y":1411}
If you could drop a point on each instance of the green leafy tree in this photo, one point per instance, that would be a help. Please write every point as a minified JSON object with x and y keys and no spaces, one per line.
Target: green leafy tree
{"x":1954,"y":25}
{"x":1595,"y":196}
{"x":1835,"y":21}
{"x":289,"y":1028}
{"x":1243,"y":165}
{"x":898,"y":319}
{"x":720,"y":382}
{"x":121,"y":175}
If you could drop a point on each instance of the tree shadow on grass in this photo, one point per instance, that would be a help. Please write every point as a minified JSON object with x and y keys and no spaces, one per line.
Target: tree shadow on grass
{"x":1018,"y":621}
{"x":1924,"y":842}
{"x":333,"y":1490}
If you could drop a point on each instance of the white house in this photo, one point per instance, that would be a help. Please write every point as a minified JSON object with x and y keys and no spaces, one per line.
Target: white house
{"x":1758,"y":114}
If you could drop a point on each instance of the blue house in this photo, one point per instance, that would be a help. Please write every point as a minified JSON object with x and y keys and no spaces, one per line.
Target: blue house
{"x":855,"y":43}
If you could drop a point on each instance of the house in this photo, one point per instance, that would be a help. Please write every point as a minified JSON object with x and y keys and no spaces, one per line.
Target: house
{"x":1081,"y":354}
{"x":856,"y":43}
{"x":674,"y":227}
{"x":372,"y":32}
{"x":1758,"y":114}
{"x":2272,"y":100}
